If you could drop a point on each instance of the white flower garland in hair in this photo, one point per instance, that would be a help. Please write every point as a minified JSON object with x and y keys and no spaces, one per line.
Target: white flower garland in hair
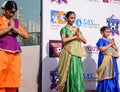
{"x":3,"y":5}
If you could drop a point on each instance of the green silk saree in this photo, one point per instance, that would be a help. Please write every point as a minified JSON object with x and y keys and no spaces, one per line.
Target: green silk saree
{"x":70,"y":70}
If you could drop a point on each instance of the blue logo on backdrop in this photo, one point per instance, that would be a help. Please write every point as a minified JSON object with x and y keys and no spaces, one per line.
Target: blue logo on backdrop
{"x":86,"y":23}
{"x":57,"y":17}
{"x":54,"y":79}
{"x":88,"y":77}
{"x":113,"y":25}
{"x":78,"y":22}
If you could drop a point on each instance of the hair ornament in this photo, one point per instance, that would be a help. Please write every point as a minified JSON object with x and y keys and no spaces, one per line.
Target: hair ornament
{"x":3,"y":5}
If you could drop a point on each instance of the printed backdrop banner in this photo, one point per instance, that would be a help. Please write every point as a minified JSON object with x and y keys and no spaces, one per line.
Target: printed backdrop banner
{"x":91,"y":16}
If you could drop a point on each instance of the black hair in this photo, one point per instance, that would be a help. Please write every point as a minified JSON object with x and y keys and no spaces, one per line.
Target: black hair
{"x":69,"y":13}
{"x":10,"y":5}
{"x":103,"y":29}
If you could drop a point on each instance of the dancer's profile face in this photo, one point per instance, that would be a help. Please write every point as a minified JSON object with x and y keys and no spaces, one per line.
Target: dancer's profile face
{"x":10,"y":13}
{"x":106,"y":33}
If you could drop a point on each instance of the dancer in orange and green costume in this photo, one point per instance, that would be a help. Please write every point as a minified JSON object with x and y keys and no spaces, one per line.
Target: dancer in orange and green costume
{"x":10,"y":49}
{"x":70,"y":70}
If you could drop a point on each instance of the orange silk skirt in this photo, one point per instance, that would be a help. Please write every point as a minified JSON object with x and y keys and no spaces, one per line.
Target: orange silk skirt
{"x":9,"y":69}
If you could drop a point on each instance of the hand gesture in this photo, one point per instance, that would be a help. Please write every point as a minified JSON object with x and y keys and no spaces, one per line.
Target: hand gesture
{"x":78,"y":31}
{"x":112,"y":41}
{"x":11,"y":23}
